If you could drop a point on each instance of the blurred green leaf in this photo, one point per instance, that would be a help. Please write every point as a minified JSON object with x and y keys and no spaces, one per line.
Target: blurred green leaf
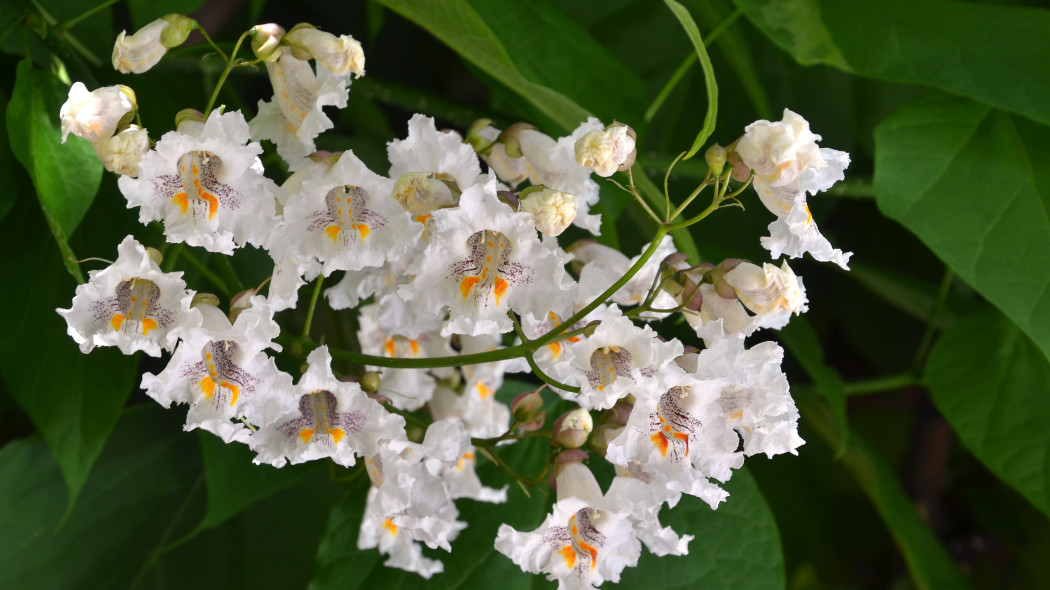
{"x":801,"y":339}
{"x":234,"y":482}
{"x":461,"y":27}
{"x":689,"y":25}
{"x":929,"y":563}
{"x":72,"y":398}
{"x":993,"y":385}
{"x":972,"y":183}
{"x":66,"y":176}
{"x":736,"y":547}
{"x":994,"y":54}
{"x":9,"y":171}
{"x":907,"y":294}
{"x":143,"y":12}
{"x":141,"y":480}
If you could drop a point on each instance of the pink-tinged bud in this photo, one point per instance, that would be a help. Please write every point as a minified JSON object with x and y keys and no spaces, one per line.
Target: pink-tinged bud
{"x":527,"y":409}
{"x":740,"y":170}
{"x":572,"y":428}
{"x":621,"y":412}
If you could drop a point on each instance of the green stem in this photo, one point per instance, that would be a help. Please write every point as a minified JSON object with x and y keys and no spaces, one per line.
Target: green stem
{"x":313,"y":306}
{"x":230,"y":64}
{"x":880,"y":384}
{"x":90,"y":11}
{"x":710,"y":209}
{"x":206,"y":272}
{"x":536,"y":368}
{"x":935,"y":314}
{"x":301,"y":347}
{"x":70,"y":39}
{"x":411,"y":419}
{"x":637,"y":266}
{"x":213,"y":44}
{"x":638,"y":197}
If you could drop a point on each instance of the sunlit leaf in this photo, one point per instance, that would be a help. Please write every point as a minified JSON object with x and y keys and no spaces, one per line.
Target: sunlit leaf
{"x":972,"y":183}
{"x":988,"y":53}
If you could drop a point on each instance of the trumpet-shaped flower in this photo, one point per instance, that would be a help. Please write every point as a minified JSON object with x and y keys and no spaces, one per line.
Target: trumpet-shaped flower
{"x":94,"y":115}
{"x":427,"y":150}
{"x":132,"y":305}
{"x":333,"y":419}
{"x":208,"y":189}
{"x":483,"y":260}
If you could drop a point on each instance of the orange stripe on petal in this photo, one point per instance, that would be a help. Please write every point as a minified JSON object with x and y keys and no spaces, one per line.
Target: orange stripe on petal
{"x":661,"y":442}
{"x":306,"y":434}
{"x":466,"y":285}
{"x":569,"y":555}
{"x":117,"y":322}
{"x":213,"y":204}
{"x":501,"y":288}
{"x":337,"y":434}
{"x":181,"y":201}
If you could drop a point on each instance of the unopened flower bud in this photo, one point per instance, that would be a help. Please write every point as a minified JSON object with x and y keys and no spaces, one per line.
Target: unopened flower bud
{"x":341,"y":55}
{"x":178,"y":29}
{"x":94,"y":115}
{"x":608,"y":150}
{"x":740,"y":170}
{"x":476,"y":136}
{"x":621,"y":412}
{"x":716,"y":277}
{"x":552,"y":211}
{"x":716,"y":159}
{"x":204,"y":299}
{"x":370,"y":381}
{"x":511,"y":139}
{"x":422,"y":193}
{"x":266,"y":41}
{"x":139,"y":52}
{"x":527,"y":409}
{"x":123,"y":152}
{"x":189,"y":122}
{"x":572,"y":428}
{"x":766,"y":289}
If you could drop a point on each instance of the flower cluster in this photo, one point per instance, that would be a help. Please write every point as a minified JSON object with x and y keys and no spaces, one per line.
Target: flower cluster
{"x":456,"y":276}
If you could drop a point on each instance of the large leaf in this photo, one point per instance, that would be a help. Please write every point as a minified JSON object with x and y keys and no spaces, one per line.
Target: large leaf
{"x":689,"y":25}
{"x":995,"y":54}
{"x":73,"y":399}
{"x":131,"y":499}
{"x":737,"y":546}
{"x":67,"y":175}
{"x":460,"y":26}
{"x":234,"y":482}
{"x":993,"y":385}
{"x":972,"y":183}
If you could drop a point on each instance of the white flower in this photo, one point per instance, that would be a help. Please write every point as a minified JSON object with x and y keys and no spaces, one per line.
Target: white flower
{"x":334,"y":419}
{"x":674,"y":441}
{"x":223,"y":373}
{"x":788,"y":164}
{"x":294,"y":117}
{"x":553,"y":164}
{"x":428,"y":150}
{"x":132,"y":305}
{"x":617,"y":359}
{"x":753,"y":395}
{"x":585,"y":541}
{"x":344,"y":219}
{"x":767,"y":289}
{"x":139,"y":52}
{"x":552,"y":211}
{"x":341,"y":55}
{"x":208,"y":189}
{"x":123,"y":152}
{"x":484,"y":259}
{"x":603,"y":266}
{"x":378,"y":531}
{"x":510,"y":170}
{"x":93,"y":115}
{"x":606,"y":150}
{"x":477,"y":407}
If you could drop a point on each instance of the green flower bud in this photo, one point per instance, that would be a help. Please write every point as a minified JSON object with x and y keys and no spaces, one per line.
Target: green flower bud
{"x":178,"y":29}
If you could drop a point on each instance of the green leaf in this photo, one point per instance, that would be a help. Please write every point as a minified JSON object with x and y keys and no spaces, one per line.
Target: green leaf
{"x":683,"y":16}
{"x":971,"y":182}
{"x":457,"y":24}
{"x":66,"y":176}
{"x":801,"y":339}
{"x":736,"y":546}
{"x":141,"y":480}
{"x":234,"y":482}
{"x":9,"y":171}
{"x":143,"y":12}
{"x":993,"y":385}
{"x":73,"y":399}
{"x":928,"y":562}
{"x":987,"y":53}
